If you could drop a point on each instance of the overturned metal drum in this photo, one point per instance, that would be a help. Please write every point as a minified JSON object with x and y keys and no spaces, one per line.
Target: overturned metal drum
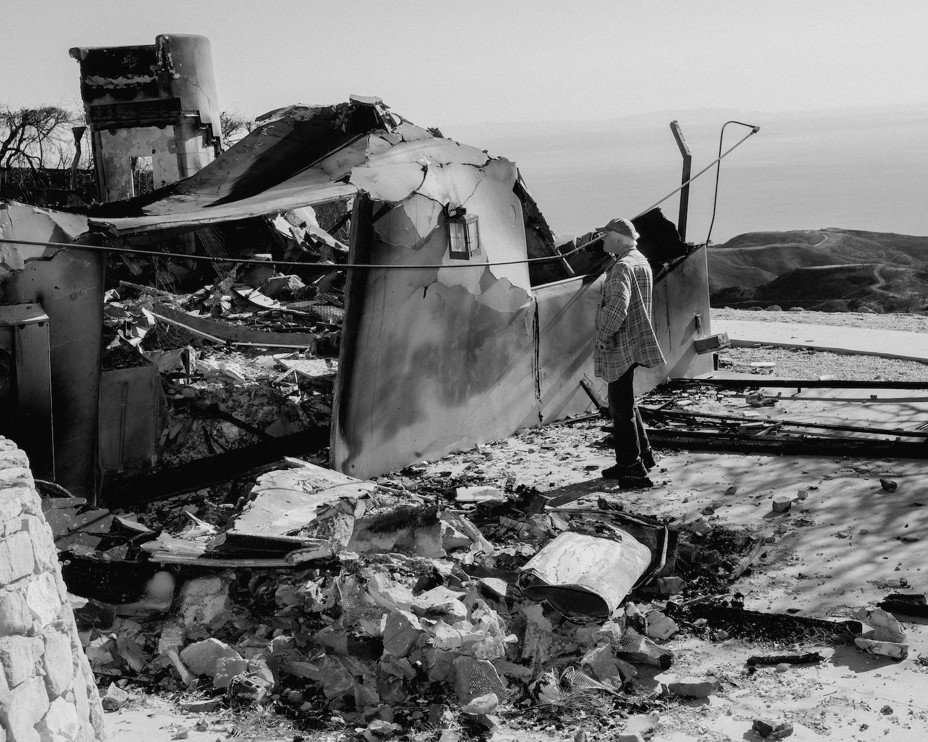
{"x":582,"y":575}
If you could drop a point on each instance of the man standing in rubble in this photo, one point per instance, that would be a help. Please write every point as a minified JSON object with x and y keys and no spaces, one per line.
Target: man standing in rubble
{"x":625,"y":340}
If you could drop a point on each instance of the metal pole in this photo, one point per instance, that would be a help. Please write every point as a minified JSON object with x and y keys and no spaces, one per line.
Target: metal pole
{"x":687,"y":164}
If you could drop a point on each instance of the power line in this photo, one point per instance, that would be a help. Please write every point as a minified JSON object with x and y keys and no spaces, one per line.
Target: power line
{"x":327,"y":267}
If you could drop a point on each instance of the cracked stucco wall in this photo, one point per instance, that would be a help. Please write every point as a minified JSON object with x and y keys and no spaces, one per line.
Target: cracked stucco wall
{"x":441,"y":358}
{"x":47,"y":691}
{"x":438,"y":358}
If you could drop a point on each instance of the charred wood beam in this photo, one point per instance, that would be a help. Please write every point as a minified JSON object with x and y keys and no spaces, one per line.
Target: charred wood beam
{"x":676,"y":439}
{"x":653,"y":413}
{"x":809,"y":658}
{"x":213,"y":411}
{"x":594,"y":396}
{"x":798,"y":383}
{"x":906,"y":604}
{"x":126,"y":492}
{"x":750,"y":622}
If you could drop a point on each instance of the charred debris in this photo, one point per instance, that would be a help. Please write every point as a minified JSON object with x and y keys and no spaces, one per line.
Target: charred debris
{"x":422,"y":598}
{"x":225,"y":386}
{"x":410,"y":600}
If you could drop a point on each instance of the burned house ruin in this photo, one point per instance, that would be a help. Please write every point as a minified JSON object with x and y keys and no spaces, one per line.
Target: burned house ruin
{"x":463,"y":320}
{"x":455,"y":317}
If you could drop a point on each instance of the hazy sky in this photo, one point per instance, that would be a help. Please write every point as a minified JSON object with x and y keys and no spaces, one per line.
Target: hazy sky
{"x":805,"y":70}
{"x":440,"y":63}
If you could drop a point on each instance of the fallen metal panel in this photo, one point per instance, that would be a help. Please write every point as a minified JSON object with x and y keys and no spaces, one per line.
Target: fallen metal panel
{"x":129,"y":419}
{"x":674,"y":439}
{"x":565,"y":346}
{"x":221,"y":332}
{"x":32,"y":428}
{"x":680,"y":296}
{"x":148,"y":487}
{"x":288,"y":499}
{"x":435,"y":360}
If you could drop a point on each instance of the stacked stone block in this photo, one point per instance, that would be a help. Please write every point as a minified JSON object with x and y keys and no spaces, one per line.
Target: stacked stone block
{"x":47,"y":692}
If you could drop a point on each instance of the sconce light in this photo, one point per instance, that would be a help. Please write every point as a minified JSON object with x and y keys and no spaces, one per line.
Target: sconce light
{"x":463,"y":234}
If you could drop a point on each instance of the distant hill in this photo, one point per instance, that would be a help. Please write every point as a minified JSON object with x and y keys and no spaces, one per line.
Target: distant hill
{"x":826,"y":269}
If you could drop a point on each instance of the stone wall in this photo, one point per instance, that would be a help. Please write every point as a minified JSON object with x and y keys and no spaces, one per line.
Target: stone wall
{"x":47,"y":693}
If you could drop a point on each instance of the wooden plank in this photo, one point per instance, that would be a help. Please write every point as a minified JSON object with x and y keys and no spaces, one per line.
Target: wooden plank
{"x":222,"y":332}
{"x":289,"y":499}
{"x":146,"y":486}
{"x":18,"y":314}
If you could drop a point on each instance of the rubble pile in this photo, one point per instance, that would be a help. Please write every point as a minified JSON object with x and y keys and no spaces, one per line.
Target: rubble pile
{"x":221,"y":394}
{"x":439,"y":602}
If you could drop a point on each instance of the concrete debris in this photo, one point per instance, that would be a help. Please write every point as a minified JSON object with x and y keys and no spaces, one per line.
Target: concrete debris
{"x":659,"y":626}
{"x":771,"y":729}
{"x":669,"y":585}
{"x":203,"y":657}
{"x":481,"y":705}
{"x":893,"y":650}
{"x":602,"y":664}
{"x":782,"y":504}
{"x":204,"y":605}
{"x":394,"y":597}
{"x":886,"y":627}
{"x":700,"y":526}
{"x":638,"y":649}
{"x":473,"y":495}
{"x":201,"y":706}
{"x":115,"y":698}
{"x":885,"y":638}
{"x":691,"y":687}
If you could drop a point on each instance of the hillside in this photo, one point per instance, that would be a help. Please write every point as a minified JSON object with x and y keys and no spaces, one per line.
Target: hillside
{"x":827,"y":269}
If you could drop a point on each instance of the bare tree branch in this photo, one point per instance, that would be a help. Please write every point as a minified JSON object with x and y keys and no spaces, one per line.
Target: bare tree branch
{"x":234,"y":126}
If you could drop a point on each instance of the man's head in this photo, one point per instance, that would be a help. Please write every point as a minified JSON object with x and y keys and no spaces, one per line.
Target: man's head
{"x":619,"y":236}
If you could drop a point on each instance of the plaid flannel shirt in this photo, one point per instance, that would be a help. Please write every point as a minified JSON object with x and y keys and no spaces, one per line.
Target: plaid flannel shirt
{"x":624,"y":335}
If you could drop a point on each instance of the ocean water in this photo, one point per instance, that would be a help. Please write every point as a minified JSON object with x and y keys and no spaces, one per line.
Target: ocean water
{"x":862,"y":169}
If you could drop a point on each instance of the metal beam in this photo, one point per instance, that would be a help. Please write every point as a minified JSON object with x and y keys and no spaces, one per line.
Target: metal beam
{"x":765,"y":381}
{"x":671,"y":439}
{"x":687,"y":166}
{"x":654,"y":413}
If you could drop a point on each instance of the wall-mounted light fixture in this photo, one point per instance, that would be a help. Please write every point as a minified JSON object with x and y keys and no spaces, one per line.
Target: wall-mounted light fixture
{"x":463,"y":233}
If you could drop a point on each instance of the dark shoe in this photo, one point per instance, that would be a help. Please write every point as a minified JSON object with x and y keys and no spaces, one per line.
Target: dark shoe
{"x":635,"y":483}
{"x":647,"y":458}
{"x":634,"y":476}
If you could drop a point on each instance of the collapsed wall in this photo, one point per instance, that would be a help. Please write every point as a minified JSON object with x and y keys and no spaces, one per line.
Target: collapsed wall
{"x":47,"y":691}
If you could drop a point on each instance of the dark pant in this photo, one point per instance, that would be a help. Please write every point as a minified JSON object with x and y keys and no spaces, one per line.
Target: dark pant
{"x":627,"y":429}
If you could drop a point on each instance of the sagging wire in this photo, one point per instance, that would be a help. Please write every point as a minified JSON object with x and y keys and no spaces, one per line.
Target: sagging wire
{"x":715,"y":197}
{"x":327,"y":267}
{"x":321,"y":267}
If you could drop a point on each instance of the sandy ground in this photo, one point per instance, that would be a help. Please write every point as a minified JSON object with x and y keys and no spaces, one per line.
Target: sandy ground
{"x":869,"y":320}
{"x":833,"y":553}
